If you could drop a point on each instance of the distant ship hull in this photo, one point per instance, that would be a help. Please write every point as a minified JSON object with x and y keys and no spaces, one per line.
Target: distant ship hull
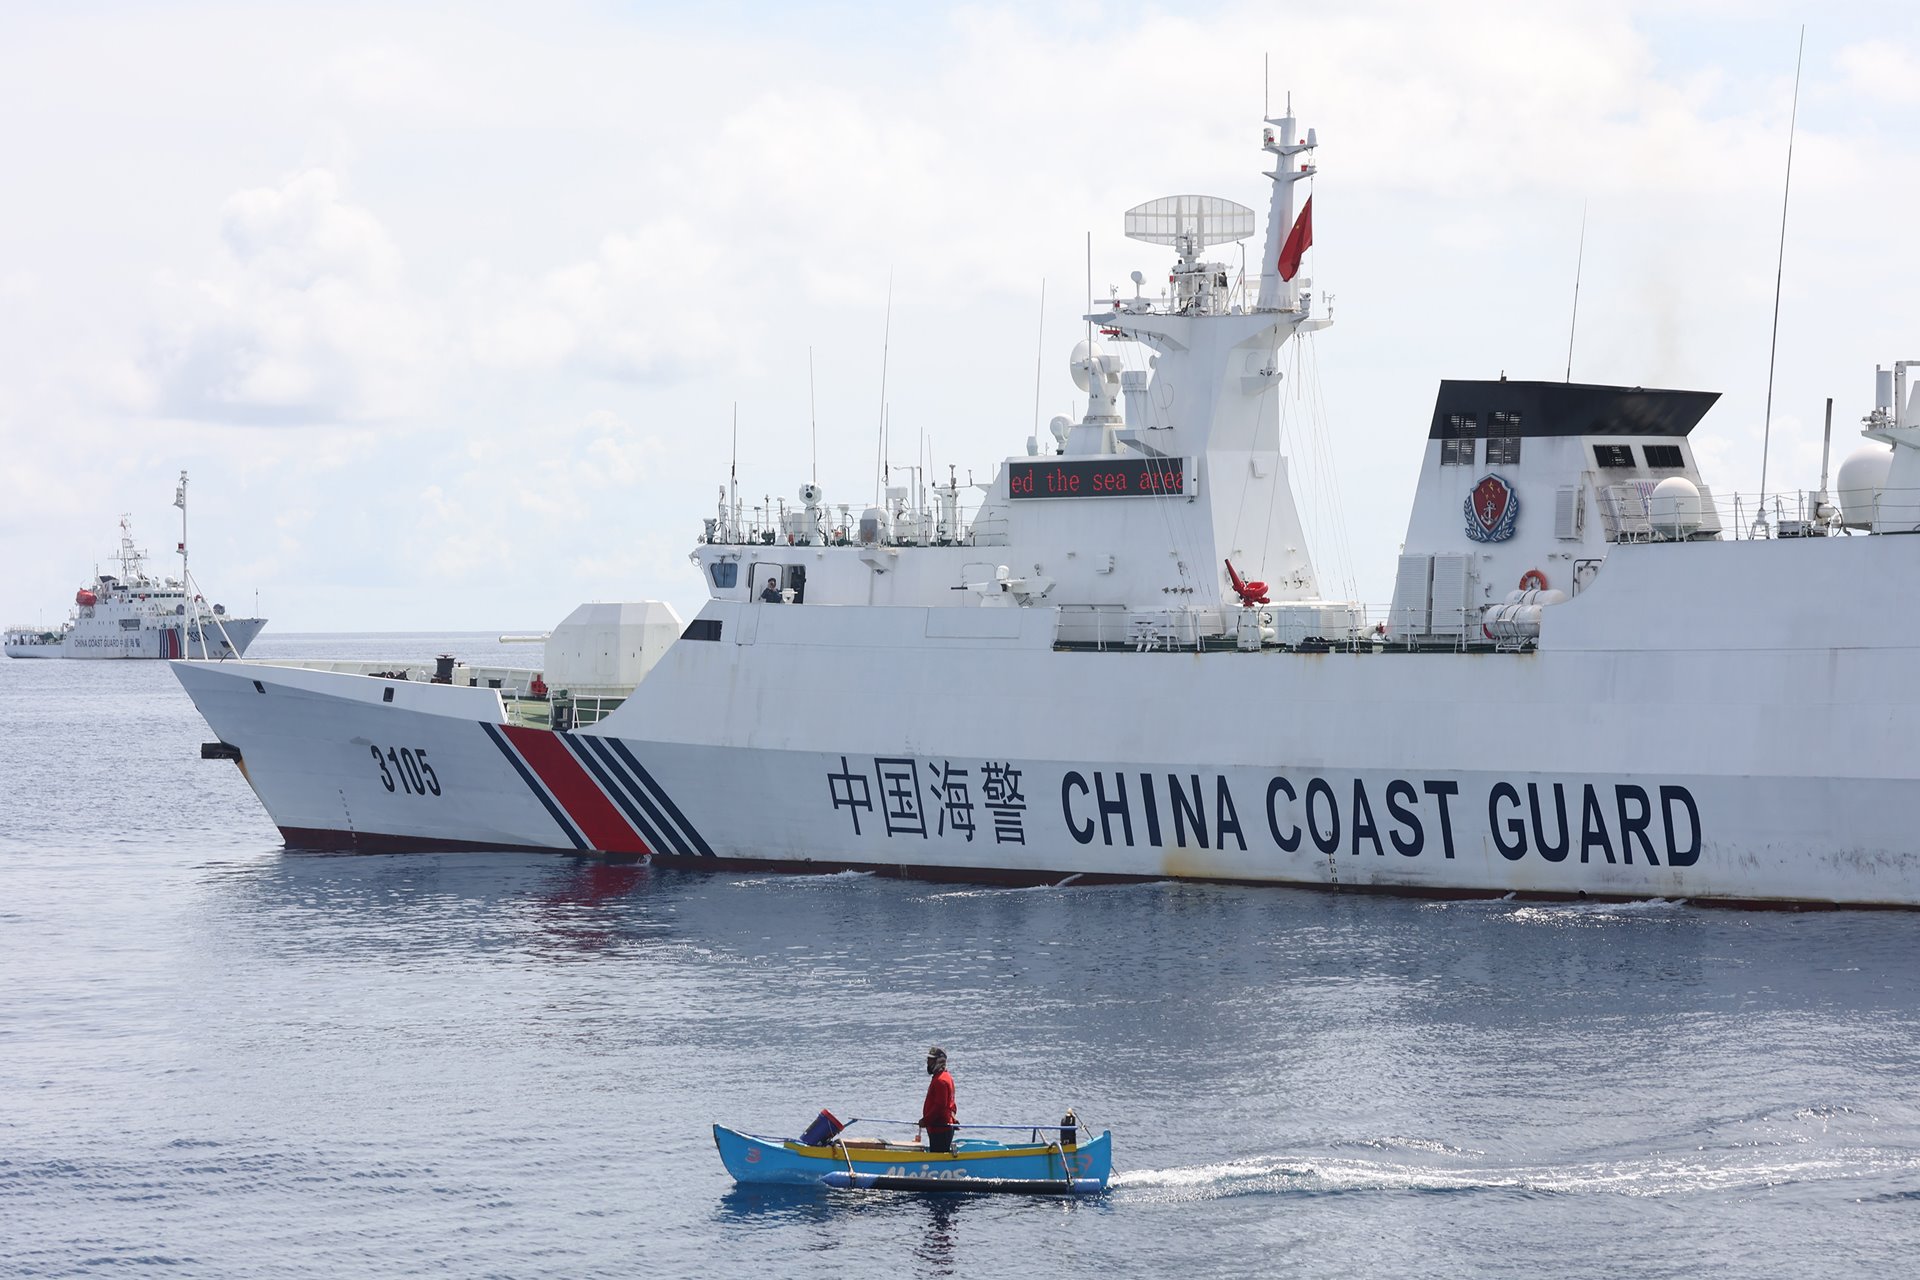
{"x":1630,"y":757}
{"x":132,"y":614}
{"x":228,"y":640}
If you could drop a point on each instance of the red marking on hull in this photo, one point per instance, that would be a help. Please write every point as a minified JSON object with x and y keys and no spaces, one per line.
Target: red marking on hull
{"x":321,"y":840}
{"x":604,"y":826}
{"x":328,"y":840}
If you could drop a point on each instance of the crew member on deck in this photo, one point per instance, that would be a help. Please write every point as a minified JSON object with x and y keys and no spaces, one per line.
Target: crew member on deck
{"x":772,"y":594}
{"x":938,"y":1115}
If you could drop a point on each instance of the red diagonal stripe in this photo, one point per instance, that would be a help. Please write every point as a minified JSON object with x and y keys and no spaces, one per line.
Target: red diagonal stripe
{"x":605,"y":828}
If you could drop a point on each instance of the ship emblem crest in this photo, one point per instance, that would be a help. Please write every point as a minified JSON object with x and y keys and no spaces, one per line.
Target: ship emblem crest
{"x":1492,"y":509}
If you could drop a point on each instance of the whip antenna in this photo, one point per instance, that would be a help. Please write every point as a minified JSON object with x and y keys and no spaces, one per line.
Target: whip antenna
{"x":886,"y":341}
{"x":1039,"y":356}
{"x":1779,"y":270}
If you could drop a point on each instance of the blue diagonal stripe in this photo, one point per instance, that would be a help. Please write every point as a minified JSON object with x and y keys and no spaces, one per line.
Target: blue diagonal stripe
{"x":666,"y":801}
{"x":674,"y":843}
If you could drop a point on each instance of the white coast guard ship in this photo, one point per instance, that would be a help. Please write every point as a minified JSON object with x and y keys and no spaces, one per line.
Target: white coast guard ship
{"x":1592,"y":680}
{"x":131,"y":614}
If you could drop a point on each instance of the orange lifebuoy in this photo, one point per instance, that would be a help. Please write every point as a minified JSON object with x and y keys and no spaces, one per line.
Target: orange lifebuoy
{"x":1533,"y":580}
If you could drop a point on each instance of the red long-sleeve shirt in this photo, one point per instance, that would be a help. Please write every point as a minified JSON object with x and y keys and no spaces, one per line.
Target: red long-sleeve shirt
{"x":938,"y":1111}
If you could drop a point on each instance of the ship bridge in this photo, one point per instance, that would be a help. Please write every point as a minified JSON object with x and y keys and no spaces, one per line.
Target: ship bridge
{"x":1173,"y":472}
{"x":1525,"y":484}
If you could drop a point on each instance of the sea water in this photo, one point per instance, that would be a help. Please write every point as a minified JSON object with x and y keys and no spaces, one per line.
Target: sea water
{"x":220,"y":1058}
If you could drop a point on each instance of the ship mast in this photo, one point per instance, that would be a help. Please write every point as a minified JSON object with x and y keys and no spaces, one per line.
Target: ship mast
{"x":1281,"y":139}
{"x":186,"y":582}
{"x":132,"y":560}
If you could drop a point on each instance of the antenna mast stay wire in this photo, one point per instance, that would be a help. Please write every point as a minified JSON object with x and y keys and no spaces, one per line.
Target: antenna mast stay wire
{"x":1779,"y":271}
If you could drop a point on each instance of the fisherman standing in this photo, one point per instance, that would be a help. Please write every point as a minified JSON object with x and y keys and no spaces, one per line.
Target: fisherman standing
{"x":938,"y":1115}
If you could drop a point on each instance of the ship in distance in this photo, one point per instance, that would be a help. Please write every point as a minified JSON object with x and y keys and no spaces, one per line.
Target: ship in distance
{"x":134,"y":614}
{"x":1596,"y":677}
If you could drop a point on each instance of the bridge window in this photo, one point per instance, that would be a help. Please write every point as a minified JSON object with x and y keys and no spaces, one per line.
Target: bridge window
{"x":1664,"y":457}
{"x":702,"y":629}
{"x":1613,"y":456}
{"x":1503,"y":438}
{"x":1456,"y":440}
{"x":726,"y":573}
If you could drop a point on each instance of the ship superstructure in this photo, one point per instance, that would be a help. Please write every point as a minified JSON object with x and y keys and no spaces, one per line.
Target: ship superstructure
{"x":134,"y":614}
{"x":1596,"y":677}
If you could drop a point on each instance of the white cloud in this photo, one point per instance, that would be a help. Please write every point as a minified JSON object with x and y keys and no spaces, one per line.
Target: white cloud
{"x":461,"y":537}
{"x":654,"y":301}
{"x":392,"y":79}
{"x":534,"y":500}
{"x":1881,"y":71}
{"x":307,"y":318}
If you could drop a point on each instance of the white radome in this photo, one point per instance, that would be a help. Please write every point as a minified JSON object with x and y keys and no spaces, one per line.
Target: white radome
{"x":1086,"y":357}
{"x":1673,"y":509}
{"x":1863,"y":478}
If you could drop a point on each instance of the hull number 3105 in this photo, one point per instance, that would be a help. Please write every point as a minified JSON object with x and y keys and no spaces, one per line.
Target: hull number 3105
{"x":406,"y":769}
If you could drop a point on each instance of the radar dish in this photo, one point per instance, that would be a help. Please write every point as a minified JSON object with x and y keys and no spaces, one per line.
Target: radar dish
{"x":1189,"y":223}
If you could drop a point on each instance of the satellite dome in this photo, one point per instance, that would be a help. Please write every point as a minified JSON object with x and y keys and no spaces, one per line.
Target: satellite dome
{"x":1674,"y":508}
{"x":1085,"y":356}
{"x":1863,"y":478}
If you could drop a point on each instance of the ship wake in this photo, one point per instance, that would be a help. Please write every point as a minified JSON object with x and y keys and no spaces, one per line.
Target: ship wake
{"x":1650,"y":1176}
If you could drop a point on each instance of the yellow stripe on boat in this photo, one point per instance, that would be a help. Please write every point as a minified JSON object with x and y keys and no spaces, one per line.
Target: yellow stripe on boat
{"x":898,"y":1155}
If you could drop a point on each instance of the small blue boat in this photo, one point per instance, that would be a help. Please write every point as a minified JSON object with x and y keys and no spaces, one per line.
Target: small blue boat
{"x":1041,"y":1165}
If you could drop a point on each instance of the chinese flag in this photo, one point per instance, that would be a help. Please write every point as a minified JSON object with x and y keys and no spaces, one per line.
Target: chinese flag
{"x":1299,"y":240}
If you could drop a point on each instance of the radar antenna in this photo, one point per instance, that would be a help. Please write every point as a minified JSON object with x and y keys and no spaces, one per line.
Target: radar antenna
{"x":1189,"y":223}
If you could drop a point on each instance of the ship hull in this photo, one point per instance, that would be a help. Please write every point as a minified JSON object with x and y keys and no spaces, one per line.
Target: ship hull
{"x":153,"y":643}
{"x":1717,"y":774}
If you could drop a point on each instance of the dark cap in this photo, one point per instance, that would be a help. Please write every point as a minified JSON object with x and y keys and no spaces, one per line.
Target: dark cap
{"x":937,"y":1052}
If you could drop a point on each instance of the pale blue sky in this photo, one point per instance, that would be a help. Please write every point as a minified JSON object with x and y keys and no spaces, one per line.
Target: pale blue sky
{"x":446,"y":308}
